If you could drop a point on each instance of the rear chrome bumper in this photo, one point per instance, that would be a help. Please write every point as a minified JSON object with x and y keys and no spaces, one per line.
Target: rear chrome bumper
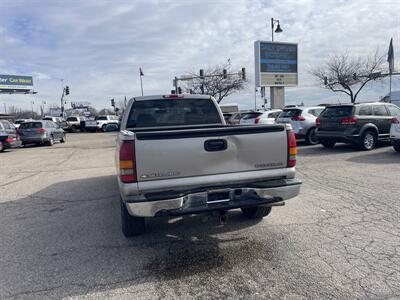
{"x":199,"y":202}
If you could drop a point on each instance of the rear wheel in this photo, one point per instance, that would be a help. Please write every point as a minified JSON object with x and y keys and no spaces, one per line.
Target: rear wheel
{"x":1,"y":147}
{"x":131,"y":225}
{"x":328,"y":144}
{"x":73,"y":129}
{"x":311,"y":137}
{"x":50,"y":142}
{"x":63,"y":138}
{"x":103,"y":128}
{"x":368,"y":141}
{"x":396,"y":146}
{"x":256,"y":212}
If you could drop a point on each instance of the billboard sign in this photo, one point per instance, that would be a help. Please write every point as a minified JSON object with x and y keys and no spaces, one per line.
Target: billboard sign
{"x":16,"y":82}
{"x":275,"y":64}
{"x":82,"y":104}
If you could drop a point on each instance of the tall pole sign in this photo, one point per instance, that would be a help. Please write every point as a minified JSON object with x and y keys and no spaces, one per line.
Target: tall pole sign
{"x":276,"y":67}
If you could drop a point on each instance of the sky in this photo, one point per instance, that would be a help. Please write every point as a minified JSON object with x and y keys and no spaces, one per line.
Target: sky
{"x":96,"y":47}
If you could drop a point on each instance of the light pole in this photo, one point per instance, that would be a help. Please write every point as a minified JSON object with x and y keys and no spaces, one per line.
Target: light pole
{"x":32,"y":102}
{"x":278,"y":27}
{"x":277,"y":93}
{"x":141,"y":82}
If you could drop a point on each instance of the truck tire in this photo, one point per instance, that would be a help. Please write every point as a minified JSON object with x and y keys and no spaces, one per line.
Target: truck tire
{"x":63,"y":139}
{"x":131,"y":225}
{"x":396,"y":147}
{"x":368,"y":141}
{"x":103,"y":128}
{"x":256,"y":212}
{"x":311,"y":138}
{"x":328,"y":144}
{"x":73,"y":128}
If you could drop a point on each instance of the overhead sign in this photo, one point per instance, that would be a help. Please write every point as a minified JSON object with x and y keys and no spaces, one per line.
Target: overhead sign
{"x":16,"y":82}
{"x":275,"y":64}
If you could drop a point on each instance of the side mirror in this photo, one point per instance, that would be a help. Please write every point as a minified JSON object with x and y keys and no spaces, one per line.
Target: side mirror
{"x":112,"y":127}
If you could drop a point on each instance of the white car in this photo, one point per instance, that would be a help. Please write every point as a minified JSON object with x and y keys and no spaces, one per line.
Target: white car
{"x":258,"y":117}
{"x":101,"y":122}
{"x":19,"y":121}
{"x":395,"y":133}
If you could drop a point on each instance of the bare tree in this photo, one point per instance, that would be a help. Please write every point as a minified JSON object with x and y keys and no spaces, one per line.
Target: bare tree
{"x":215,"y":84}
{"x":347,"y":74}
{"x":106,"y":111}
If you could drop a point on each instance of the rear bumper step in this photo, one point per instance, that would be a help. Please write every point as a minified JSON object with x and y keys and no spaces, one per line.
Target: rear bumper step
{"x":207,"y":201}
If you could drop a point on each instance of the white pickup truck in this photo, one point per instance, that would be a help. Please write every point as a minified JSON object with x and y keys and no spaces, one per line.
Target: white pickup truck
{"x":175,"y":155}
{"x":101,"y":122}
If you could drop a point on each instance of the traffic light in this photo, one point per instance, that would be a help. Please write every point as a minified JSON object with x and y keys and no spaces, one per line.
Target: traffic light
{"x":243,"y":73}
{"x":113,"y":102}
{"x":325,"y":80}
{"x":179,"y":90}
{"x":201,"y":73}
{"x":224,"y":73}
{"x":67,"y":90}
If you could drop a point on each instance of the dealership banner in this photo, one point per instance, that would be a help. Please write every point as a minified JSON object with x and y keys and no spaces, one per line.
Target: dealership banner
{"x":275,"y":64}
{"x":16,"y":82}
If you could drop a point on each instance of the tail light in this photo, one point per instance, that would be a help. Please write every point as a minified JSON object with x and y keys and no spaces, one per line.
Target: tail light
{"x":318,"y":121}
{"x":298,"y":118}
{"x":257,"y":120}
{"x":395,"y":120}
{"x":127,"y":162}
{"x":348,"y":121}
{"x":292,"y":149}
{"x":41,"y":130}
{"x":9,"y":140}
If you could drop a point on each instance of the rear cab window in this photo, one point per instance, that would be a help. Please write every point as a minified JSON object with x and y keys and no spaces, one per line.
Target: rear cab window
{"x":72,"y":119}
{"x":173,"y":112}
{"x":101,"y":118}
{"x":337,"y":111}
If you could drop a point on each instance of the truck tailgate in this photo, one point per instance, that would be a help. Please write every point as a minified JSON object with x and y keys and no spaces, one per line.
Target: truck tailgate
{"x":209,"y":151}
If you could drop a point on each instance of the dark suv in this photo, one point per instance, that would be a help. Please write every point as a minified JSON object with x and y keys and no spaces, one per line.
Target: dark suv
{"x":362,"y":124}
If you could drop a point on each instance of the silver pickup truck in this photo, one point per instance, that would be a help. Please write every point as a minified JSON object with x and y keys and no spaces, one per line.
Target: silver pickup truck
{"x":175,"y":156}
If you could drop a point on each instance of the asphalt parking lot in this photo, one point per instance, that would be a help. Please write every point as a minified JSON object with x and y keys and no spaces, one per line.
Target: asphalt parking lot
{"x":60,"y":232}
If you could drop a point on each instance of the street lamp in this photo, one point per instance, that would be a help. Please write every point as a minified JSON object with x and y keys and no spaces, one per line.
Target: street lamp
{"x":278,"y":27}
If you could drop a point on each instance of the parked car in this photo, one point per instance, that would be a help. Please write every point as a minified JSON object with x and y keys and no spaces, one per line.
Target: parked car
{"x":9,"y":137}
{"x":101,"y":122}
{"x":236,"y":117}
{"x":176,"y":156}
{"x":41,"y":132}
{"x":303,"y":121}
{"x":227,"y":116}
{"x":363,"y":124}
{"x":395,"y":132}
{"x":58,"y":120}
{"x":74,"y":123}
{"x":265,"y":117}
{"x":19,"y":121}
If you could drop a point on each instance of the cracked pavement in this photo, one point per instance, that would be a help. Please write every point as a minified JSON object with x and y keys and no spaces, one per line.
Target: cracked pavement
{"x":60,"y":233}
